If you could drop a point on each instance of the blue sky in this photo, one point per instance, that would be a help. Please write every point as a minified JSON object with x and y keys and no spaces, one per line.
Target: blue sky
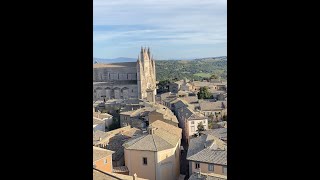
{"x":171,"y":28}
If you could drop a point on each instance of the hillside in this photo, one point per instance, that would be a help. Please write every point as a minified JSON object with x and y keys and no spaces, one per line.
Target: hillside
{"x":196,"y":69}
{"x":191,"y":69}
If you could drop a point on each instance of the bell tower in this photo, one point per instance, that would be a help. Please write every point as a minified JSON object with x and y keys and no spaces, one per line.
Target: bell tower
{"x":146,"y":74}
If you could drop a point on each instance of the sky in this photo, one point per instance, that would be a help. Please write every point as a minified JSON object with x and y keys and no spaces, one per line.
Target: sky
{"x":171,"y":28}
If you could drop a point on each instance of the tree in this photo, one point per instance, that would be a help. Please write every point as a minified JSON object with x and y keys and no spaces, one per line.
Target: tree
{"x":204,"y":93}
{"x":213,"y":76}
{"x":224,"y":117}
{"x":115,"y":124}
{"x":200,"y":127}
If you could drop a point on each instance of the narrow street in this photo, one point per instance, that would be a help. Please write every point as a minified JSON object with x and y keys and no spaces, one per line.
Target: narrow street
{"x":183,"y":161}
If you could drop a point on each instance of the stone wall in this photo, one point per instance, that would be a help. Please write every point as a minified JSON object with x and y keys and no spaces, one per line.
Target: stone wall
{"x":125,"y":91}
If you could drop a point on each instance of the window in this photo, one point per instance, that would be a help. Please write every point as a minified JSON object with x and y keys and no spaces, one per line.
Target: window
{"x":192,"y":129}
{"x":105,"y":161}
{"x":210,"y":167}
{"x":192,"y":122}
{"x":204,"y":121}
{"x":197,"y":165}
{"x":145,"y":161}
{"x":224,"y":170}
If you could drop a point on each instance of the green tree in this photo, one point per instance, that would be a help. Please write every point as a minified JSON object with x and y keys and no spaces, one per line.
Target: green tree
{"x":213,"y":76}
{"x":224,"y":117}
{"x":115,"y":124}
{"x":200,"y":127}
{"x":204,"y":93}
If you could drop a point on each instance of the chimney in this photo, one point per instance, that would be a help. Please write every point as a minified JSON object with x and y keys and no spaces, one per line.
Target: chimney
{"x":100,"y":138}
{"x":151,"y":130}
{"x":135,"y":176}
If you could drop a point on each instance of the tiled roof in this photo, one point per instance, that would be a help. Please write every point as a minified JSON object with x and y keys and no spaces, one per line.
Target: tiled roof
{"x":167,"y":127}
{"x":99,"y":153}
{"x":191,"y":99}
{"x":180,"y":103}
{"x":167,"y":113}
{"x":97,"y":121}
{"x":138,"y":112}
{"x":115,"y":143}
{"x":196,"y":116}
{"x":211,"y":106}
{"x":203,"y":176}
{"x":202,"y":84}
{"x":164,"y":137}
{"x":99,"y":134}
{"x":220,"y":133}
{"x":209,"y":149}
{"x":100,"y":175}
{"x":120,"y":169}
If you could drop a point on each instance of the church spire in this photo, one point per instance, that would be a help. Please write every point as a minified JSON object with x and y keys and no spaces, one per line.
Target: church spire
{"x":149,"y":53}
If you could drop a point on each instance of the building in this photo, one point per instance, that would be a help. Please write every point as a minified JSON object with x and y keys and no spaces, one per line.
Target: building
{"x":150,"y":112}
{"x":206,"y":176}
{"x":125,"y":80}
{"x":155,"y":155}
{"x":220,"y":133}
{"x":207,"y":154}
{"x":102,"y":159}
{"x":98,"y":136}
{"x":136,"y":118}
{"x":107,"y":118}
{"x":115,"y":144}
{"x":113,"y":140}
{"x":98,"y":124}
{"x":100,"y":175}
{"x":189,"y":119}
{"x":164,"y":114}
{"x":216,"y":109}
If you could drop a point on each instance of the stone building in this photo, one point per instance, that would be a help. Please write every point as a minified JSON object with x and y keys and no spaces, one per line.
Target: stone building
{"x":156,"y":155}
{"x":208,"y":154}
{"x":125,"y":80}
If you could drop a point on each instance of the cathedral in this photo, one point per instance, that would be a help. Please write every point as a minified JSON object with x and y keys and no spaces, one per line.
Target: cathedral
{"x":127,"y":80}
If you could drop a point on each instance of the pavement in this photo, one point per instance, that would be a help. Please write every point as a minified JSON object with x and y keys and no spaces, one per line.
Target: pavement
{"x":183,"y":161}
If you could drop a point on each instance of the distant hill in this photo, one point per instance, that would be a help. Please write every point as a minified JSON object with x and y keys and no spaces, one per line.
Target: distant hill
{"x":115,"y":60}
{"x":196,"y":69}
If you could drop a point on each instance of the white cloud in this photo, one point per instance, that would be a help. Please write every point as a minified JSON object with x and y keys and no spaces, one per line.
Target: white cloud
{"x":161,"y":22}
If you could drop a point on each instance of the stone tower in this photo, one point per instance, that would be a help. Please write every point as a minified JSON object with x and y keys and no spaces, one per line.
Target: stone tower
{"x":146,"y":73}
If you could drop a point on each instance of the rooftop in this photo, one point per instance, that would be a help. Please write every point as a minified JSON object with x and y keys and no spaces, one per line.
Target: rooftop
{"x":99,"y":153}
{"x":220,"y":133}
{"x":164,"y":136}
{"x":100,"y":175}
{"x":99,"y":134}
{"x":97,"y":121}
{"x":196,"y":116}
{"x":204,"y":176}
{"x":167,"y":113}
{"x":120,"y":169}
{"x":211,"y":106}
{"x":115,"y":143}
{"x":208,"y":149}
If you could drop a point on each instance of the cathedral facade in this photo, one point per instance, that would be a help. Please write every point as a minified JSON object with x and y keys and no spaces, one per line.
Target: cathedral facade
{"x":127,"y":80}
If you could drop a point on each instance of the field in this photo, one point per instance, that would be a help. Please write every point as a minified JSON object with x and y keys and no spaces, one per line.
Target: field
{"x":191,"y":69}
{"x":205,"y":75}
